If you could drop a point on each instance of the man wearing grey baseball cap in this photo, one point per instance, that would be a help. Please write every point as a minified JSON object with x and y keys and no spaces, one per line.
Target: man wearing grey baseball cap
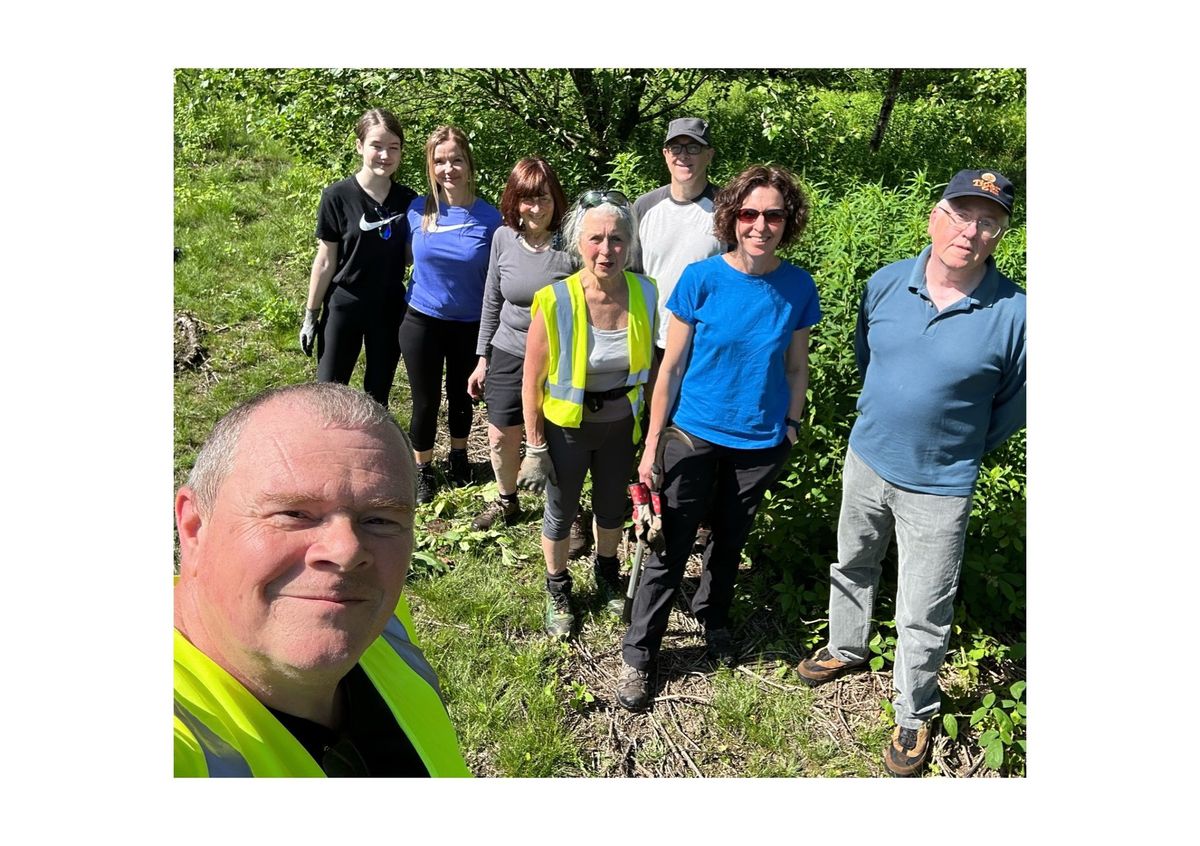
{"x":675,"y":225}
{"x":940,"y":346}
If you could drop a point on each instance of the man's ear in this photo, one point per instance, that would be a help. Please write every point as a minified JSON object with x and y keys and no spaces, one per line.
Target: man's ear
{"x":189,"y":523}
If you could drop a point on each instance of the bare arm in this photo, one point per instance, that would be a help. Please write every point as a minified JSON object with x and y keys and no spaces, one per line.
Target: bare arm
{"x":797,"y":377}
{"x":323,"y":268}
{"x":537,"y":364}
{"x":666,"y":389}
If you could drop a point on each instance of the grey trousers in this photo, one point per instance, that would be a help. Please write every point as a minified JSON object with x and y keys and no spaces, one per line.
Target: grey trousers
{"x":930,"y":533}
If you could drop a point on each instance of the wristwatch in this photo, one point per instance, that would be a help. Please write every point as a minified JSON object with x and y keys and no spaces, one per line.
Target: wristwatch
{"x":795,"y":424}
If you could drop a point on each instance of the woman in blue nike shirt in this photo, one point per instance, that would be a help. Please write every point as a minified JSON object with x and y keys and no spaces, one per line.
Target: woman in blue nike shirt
{"x":356,"y":289}
{"x":450,"y":231}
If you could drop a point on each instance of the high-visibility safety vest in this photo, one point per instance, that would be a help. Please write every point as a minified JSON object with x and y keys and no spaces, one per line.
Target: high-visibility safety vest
{"x":222,"y":730}
{"x":564,"y":309}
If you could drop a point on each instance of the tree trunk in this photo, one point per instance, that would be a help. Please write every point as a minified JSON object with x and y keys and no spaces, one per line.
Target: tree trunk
{"x":885,"y":111}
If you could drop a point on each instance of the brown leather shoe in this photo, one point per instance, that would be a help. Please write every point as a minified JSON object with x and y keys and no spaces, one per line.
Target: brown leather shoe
{"x":908,"y":751}
{"x":822,"y":667}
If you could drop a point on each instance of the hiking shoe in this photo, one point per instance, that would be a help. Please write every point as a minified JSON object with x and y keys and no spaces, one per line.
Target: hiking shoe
{"x":610,"y":589}
{"x":822,"y":667}
{"x":908,"y":751}
{"x":633,"y":688}
{"x":495,"y":510}
{"x":580,"y":538}
{"x":426,"y":483}
{"x":559,"y":619}
{"x":718,"y":643}
{"x":459,"y":473}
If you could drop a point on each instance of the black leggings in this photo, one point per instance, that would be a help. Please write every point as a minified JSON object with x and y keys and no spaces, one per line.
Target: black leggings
{"x":427,"y":343}
{"x":345,"y":324}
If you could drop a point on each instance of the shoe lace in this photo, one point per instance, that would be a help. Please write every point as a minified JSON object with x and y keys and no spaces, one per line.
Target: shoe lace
{"x":633,"y":674}
{"x":907,"y":738}
{"x":562,"y":603}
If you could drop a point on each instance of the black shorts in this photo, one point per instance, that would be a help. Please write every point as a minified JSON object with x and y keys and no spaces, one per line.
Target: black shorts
{"x":502,"y":391}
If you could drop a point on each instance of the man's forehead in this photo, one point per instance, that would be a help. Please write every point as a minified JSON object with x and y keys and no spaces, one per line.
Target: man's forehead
{"x":291,"y":432}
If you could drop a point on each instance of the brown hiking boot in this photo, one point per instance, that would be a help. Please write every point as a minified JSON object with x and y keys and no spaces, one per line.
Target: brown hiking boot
{"x":495,"y":510}
{"x":822,"y":667}
{"x":908,"y":750}
{"x":580,"y":536}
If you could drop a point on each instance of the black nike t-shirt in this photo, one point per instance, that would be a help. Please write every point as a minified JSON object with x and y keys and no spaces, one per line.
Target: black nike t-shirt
{"x":370,"y":236}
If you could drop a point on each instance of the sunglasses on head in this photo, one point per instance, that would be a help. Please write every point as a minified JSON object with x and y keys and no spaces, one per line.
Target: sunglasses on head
{"x":774,"y":216}
{"x":591,"y":199}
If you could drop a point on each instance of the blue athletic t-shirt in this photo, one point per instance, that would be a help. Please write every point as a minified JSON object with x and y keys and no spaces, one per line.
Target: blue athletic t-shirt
{"x":735,"y":391}
{"x":450,"y":261}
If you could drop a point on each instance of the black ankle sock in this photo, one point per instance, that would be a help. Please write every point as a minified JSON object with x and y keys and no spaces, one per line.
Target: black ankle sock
{"x":510,"y":498}
{"x":608,"y":566}
{"x":559,"y":582}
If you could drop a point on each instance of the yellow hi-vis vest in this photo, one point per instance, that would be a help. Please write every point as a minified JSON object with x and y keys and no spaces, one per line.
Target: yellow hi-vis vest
{"x":222,"y":730}
{"x":564,"y":309}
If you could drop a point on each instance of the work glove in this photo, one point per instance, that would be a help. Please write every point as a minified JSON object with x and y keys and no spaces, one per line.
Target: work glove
{"x":536,"y":469}
{"x":308,"y":330}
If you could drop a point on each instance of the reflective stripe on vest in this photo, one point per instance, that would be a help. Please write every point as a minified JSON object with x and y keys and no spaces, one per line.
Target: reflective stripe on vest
{"x":564,"y":310}
{"x":397,"y":637}
{"x":221,"y":759}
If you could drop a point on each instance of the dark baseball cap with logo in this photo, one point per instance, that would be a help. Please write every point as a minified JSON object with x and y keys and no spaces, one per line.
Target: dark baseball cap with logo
{"x":691,"y":127}
{"x":981,"y":183}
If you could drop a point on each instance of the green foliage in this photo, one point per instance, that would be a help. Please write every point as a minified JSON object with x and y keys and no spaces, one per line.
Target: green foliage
{"x":1000,"y":720}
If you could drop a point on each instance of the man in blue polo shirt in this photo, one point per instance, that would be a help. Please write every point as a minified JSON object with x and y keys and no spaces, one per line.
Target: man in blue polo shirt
{"x":941,"y":349}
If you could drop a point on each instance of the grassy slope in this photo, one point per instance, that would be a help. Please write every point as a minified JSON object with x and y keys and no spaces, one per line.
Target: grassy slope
{"x":523,"y":706}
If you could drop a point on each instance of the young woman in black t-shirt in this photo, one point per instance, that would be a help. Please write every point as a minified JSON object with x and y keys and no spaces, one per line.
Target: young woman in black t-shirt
{"x":358,"y":273}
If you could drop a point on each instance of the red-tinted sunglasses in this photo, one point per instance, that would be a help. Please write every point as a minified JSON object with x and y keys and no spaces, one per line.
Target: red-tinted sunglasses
{"x":774,"y":216}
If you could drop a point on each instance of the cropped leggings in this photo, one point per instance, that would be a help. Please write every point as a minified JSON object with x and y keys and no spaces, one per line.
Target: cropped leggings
{"x":607,"y":450}
{"x":428,"y":344}
{"x":349,"y":322}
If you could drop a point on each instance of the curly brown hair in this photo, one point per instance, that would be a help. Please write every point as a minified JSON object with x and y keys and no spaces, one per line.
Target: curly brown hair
{"x":730,"y":198}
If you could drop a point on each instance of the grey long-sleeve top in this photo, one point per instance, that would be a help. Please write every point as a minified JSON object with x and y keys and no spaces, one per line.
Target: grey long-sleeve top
{"x":515,"y":274}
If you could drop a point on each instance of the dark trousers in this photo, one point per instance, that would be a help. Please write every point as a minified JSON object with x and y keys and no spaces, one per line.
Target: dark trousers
{"x":427,"y":343}
{"x":348,"y":322}
{"x":720,"y":483}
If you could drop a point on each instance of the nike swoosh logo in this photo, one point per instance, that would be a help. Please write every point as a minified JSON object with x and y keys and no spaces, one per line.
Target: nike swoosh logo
{"x":366,"y":226}
{"x":446,"y":227}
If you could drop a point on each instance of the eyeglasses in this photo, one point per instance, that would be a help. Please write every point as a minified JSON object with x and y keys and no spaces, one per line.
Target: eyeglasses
{"x":386,"y":216}
{"x":680,"y":149}
{"x":591,"y":199}
{"x":988,"y":229}
{"x":774,"y":217}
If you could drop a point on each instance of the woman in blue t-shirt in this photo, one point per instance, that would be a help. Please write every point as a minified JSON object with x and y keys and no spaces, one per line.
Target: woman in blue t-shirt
{"x":732,"y":380}
{"x":451,"y":237}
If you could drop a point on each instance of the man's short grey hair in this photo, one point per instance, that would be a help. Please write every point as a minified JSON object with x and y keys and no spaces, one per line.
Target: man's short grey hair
{"x":332,"y":404}
{"x":572,"y":227}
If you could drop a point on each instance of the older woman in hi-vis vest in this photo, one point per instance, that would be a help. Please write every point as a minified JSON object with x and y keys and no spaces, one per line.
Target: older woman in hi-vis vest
{"x":588,"y":359}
